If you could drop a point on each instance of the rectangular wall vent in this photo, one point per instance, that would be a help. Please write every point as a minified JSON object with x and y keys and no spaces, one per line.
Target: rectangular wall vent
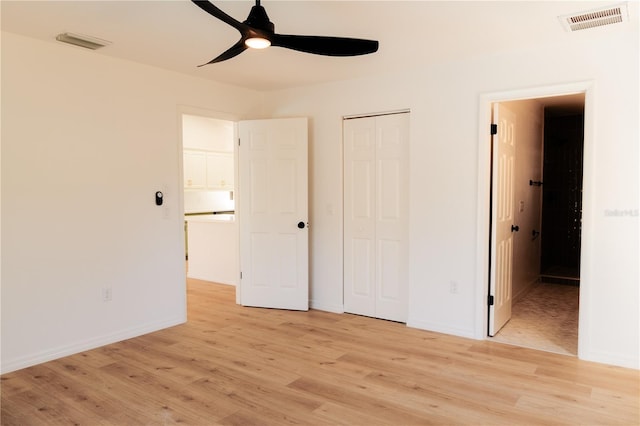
{"x":81,"y":40}
{"x":595,"y":18}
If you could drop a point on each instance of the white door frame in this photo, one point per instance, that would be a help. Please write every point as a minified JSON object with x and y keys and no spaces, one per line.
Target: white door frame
{"x":484,"y":205}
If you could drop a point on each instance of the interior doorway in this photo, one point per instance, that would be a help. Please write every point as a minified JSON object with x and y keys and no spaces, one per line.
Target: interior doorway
{"x":545,"y":190}
{"x":562,"y":192}
{"x":208,"y":197}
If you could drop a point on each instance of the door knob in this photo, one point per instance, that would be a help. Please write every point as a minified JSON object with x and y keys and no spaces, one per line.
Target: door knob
{"x":301,"y":225}
{"x":515,"y":228}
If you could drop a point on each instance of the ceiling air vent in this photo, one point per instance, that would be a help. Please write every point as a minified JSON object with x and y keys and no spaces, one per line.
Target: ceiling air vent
{"x":85,"y":41}
{"x":595,"y":18}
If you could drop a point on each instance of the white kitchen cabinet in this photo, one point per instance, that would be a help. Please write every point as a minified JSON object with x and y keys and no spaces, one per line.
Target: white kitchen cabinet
{"x":213,"y":248}
{"x":195,"y":169}
{"x":220,"y":170}
{"x":208,"y":170}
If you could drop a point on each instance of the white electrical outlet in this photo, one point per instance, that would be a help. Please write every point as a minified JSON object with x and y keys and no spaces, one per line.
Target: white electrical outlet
{"x":107,"y":294}
{"x":453,"y":287}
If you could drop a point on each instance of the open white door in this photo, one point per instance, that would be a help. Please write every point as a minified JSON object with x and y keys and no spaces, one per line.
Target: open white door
{"x":273,"y":213}
{"x":502,"y":218}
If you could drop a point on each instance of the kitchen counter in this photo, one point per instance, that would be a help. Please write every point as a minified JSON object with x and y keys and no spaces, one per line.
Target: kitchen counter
{"x":213,"y":248}
{"x":225,"y":218}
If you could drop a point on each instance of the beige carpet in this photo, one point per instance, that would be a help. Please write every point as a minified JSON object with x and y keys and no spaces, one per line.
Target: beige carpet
{"x":546,"y":318}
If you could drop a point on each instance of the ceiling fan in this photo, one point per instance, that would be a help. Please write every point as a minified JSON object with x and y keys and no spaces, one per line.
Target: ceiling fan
{"x":258,"y":32}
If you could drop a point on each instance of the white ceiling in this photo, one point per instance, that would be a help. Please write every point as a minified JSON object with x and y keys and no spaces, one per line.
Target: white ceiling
{"x":177,"y":35}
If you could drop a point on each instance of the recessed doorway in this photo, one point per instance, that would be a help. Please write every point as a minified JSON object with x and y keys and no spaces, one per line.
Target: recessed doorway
{"x":546,"y":274}
{"x":547,"y":244}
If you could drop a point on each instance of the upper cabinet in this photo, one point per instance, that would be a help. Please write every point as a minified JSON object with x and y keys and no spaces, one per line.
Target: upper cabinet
{"x":208,"y":170}
{"x":208,"y":145}
{"x":195,"y":169}
{"x":220,"y":170}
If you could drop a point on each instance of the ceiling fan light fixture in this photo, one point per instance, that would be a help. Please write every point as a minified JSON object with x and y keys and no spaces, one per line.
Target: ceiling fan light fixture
{"x":257,"y":43}
{"x":258,"y":32}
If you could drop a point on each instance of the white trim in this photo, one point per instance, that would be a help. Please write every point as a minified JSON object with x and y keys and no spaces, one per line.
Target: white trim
{"x":436,"y":327}
{"x":203,"y":112}
{"x":327,"y":307}
{"x":484,"y":187}
{"x":74,"y":348}
{"x":376,"y":114}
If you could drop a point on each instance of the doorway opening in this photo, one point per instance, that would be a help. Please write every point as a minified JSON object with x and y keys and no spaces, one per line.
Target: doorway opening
{"x":547,"y":213}
{"x":562,"y":191}
{"x":544,"y":285}
{"x":208,"y":167}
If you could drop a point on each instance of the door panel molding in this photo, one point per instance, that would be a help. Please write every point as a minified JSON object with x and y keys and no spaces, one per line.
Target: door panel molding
{"x":376,"y":214}
{"x":272,"y":201}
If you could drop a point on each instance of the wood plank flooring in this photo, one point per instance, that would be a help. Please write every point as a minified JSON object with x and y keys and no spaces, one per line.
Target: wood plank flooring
{"x":246,"y":366}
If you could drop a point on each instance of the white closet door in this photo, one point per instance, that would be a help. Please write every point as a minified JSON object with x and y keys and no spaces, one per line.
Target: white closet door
{"x":392,"y":216}
{"x":359,"y":216}
{"x":376,"y":204}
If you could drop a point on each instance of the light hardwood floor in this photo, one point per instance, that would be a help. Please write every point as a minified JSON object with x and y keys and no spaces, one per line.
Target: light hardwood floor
{"x":248,"y":366}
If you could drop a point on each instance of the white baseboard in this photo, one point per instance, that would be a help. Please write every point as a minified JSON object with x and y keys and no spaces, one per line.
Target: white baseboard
{"x":441,"y":328}
{"x":10,"y":365}
{"x":336,"y":309}
{"x":611,"y":359}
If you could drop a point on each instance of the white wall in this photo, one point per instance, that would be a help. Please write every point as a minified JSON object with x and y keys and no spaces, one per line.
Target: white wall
{"x":87,"y":140}
{"x":206,"y":133}
{"x":444,"y":103}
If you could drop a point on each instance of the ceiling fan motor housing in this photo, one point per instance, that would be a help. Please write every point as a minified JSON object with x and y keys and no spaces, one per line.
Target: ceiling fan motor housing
{"x":258,"y":19}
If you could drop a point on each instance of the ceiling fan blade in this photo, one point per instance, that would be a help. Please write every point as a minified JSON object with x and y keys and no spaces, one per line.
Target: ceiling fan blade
{"x":217,"y":13}
{"x":328,"y":46}
{"x":233,"y":51}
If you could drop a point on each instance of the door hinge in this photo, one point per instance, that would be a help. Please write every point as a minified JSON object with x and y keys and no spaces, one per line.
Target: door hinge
{"x":240,"y":274}
{"x":490,"y":300}
{"x":494,"y":129}
{"x":238,"y":141}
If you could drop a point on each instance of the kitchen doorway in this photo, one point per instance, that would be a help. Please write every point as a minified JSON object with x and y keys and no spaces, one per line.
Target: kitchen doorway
{"x":208,"y":164}
{"x":557,"y":288}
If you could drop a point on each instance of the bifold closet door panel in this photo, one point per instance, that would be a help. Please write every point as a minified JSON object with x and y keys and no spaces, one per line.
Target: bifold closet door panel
{"x":376,"y":216}
{"x":359,"y":216}
{"x":392,"y":216}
